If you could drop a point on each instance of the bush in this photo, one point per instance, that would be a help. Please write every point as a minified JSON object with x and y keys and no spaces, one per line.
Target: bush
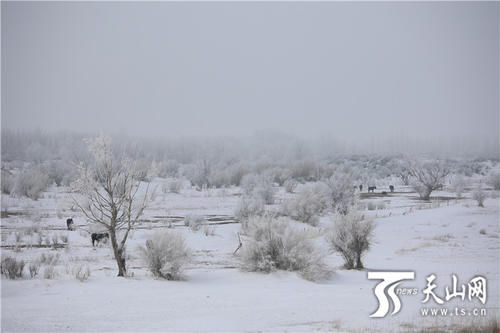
{"x":12,"y":268}
{"x":248,"y":207}
{"x":275,"y":244}
{"x":279,"y":175}
{"x":31,"y":183}
{"x":60,"y":172}
{"x":351,"y":237}
{"x":303,"y":170}
{"x":341,"y":192}
{"x":7,"y":182}
{"x":49,"y":272}
{"x":494,"y":180}
{"x":458,"y":185}
{"x":194,"y":222}
{"x":49,"y":258}
{"x":166,"y":255}
{"x":290,"y":185}
{"x":55,"y":239}
{"x":258,"y":186}
{"x":64,"y":238}
{"x":81,"y":272}
{"x":172,"y":186}
{"x":306,"y":206}
{"x":34,"y":268}
{"x":479,"y":195}
{"x":34,"y":228}
{"x":209,"y":230}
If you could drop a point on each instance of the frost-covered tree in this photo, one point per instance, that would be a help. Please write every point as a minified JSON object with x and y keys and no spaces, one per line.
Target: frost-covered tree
{"x":341,"y":191}
{"x":258,"y":186}
{"x":31,"y":182}
{"x":110,"y":195}
{"x":494,"y":179}
{"x":458,"y":184}
{"x":247,"y":207}
{"x":479,"y":195}
{"x":428,"y":176}
{"x":7,"y":182}
{"x":306,"y":206}
{"x":351,"y":237}
{"x":401,"y":168}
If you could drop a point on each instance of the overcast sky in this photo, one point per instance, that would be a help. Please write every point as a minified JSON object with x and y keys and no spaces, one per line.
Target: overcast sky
{"x":350,"y":70}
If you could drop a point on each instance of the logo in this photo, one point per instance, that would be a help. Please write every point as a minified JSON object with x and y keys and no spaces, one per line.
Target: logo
{"x":390,"y":280}
{"x":475,"y":291}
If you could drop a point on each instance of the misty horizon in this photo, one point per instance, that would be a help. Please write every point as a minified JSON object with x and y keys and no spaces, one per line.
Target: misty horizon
{"x":361,"y":74}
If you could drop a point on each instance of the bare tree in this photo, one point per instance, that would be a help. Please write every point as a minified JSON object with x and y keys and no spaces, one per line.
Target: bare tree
{"x":428,"y":177}
{"x":401,"y":169}
{"x":109,"y":195}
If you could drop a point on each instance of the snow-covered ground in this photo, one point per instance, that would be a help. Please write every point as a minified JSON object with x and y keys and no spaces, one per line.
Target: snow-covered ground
{"x":443,"y":237}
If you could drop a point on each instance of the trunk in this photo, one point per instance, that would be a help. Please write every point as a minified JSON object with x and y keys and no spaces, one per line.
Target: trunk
{"x":118,"y":252}
{"x":427,"y":194}
{"x":359,"y":264}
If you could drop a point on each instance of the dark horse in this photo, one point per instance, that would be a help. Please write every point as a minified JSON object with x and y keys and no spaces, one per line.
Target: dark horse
{"x":372,"y":188}
{"x":69,"y":224}
{"x":98,"y":237}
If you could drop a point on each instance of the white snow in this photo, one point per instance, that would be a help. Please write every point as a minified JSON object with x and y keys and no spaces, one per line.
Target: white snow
{"x":441,"y":238}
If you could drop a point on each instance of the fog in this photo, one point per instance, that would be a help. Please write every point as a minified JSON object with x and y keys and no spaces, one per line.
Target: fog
{"x":358,"y":73}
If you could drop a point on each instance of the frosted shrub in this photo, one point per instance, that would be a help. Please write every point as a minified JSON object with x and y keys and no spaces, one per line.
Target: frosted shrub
{"x":371,"y":205}
{"x":279,"y":175}
{"x":81,"y":272}
{"x":306,"y":206}
{"x":34,"y":228}
{"x":175,"y":186}
{"x":7,"y":182}
{"x":31,"y":183}
{"x":248,"y":207}
{"x":49,"y":258}
{"x":172,"y":186}
{"x":458,"y":185}
{"x":258,"y":186}
{"x":194,"y":222}
{"x":34,"y":268}
{"x":290,"y":185}
{"x":494,"y":180}
{"x":166,"y":255}
{"x":12,"y":268}
{"x":59,"y":172}
{"x":303,"y":170}
{"x":479,"y":195}
{"x":199,"y":173}
{"x":64,"y":238}
{"x":341,"y":192}
{"x":249,"y":182}
{"x":209,"y":230}
{"x":351,"y":237}
{"x":274,"y":244}
{"x":55,"y":239}
{"x":49,"y":272}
